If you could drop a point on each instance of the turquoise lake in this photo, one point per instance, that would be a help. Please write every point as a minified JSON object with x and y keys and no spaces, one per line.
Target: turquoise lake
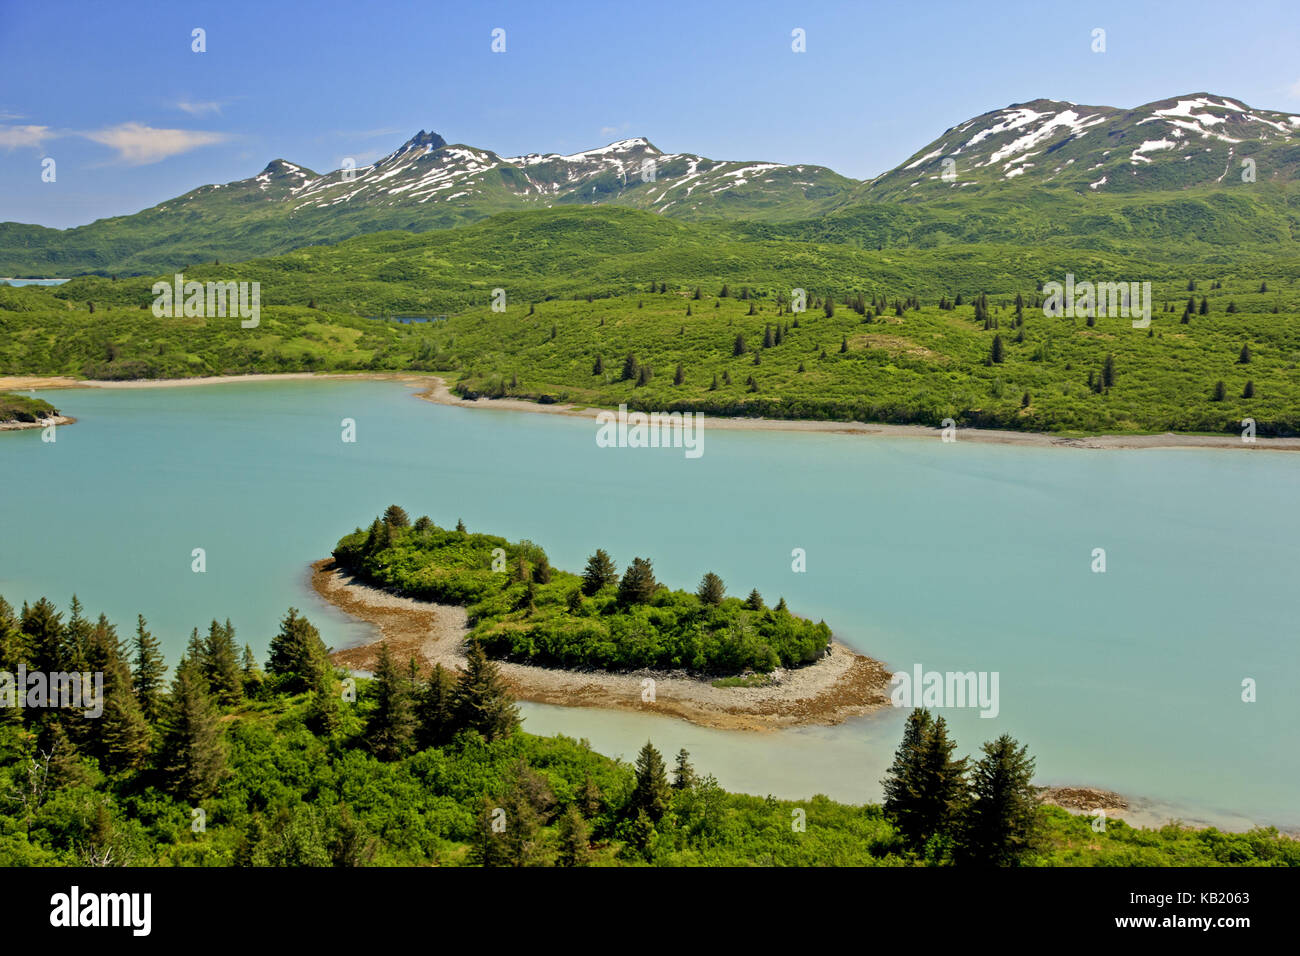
{"x":958,"y":557}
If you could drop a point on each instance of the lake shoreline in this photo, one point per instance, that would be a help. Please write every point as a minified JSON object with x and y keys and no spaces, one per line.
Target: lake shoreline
{"x":828,"y":692}
{"x":15,"y":426}
{"x":437,"y":391}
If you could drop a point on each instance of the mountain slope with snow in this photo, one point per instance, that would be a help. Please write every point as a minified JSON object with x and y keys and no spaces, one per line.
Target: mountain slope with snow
{"x":1186,"y":141}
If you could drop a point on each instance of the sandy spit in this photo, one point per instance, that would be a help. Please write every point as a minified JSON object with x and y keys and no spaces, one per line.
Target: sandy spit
{"x":443,"y":395}
{"x":838,"y":687}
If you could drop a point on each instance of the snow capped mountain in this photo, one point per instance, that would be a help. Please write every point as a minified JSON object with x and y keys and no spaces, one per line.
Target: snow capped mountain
{"x":426,"y":170}
{"x":1184,"y":141}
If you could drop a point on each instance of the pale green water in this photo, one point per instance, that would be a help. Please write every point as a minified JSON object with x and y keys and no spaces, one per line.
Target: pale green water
{"x":960,"y":557}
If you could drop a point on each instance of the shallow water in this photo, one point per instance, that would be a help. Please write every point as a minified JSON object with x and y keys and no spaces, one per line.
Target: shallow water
{"x":957,"y":556}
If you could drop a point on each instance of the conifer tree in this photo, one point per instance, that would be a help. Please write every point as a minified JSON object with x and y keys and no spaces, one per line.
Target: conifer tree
{"x":711,"y":590}
{"x":123,"y":736}
{"x":599,"y":573}
{"x":251,"y":673}
{"x":45,"y":637}
{"x":193,"y":752}
{"x":629,"y":368}
{"x":433,"y":710}
{"x":680,"y":375}
{"x":590,"y":799}
{"x":1249,"y":390}
{"x":683,"y":773}
{"x":221,"y":665}
{"x":1244,"y":357}
{"x":391,"y":727}
{"x":995,"y":355}
{"x":638,"y":584}
{"x":147,"y":674}
{"x":999,"y":825}
{"x":395,"y":516}
{"x":575,"y":839}
{"x":755,"y":601}
{"x":480,"y":701}
{"x":924,"y":787}
{"x":297,"y":653}
{"x":738,"y":348}
{"x":324,"y":709}
{"x":599,"y":367}
{"x":651,"y":795}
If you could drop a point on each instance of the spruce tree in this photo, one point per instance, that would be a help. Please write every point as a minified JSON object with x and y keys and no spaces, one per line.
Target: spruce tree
{"x":324,"y":709}
{"x":221,"y":665}
{"x":481,"y":701}
{"x":590,"y":799}
{"x":575,"y":838}
{"x":599,"y":573}
{"x":193,"y":751}
{"x":46,"y":640}
{"x":1000,"y":823}
{"x":755,"y":601}
{"x":251,"y":673}
{"x":924,"y":785}
{"x":738,"y":347}
{"x":297,"y":654}
{"x":651,"y":795}
{"x":391,"y":727}
{"x":683,"y":773}
{"x":395,"y":516}
{"x":711,"y":590}
{"x":147,"y":674}
{"x":995,"y":355}
{"x":433,"y":710}
{"x":123,"y":736}
{"x":638,"y":584}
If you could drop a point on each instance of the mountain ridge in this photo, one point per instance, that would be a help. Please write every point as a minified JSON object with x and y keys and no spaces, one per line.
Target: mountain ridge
{"x":1178,"y":143}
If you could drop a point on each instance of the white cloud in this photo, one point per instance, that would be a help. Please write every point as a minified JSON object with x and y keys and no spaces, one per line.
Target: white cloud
{"x":608,"y":130}
{"x":198,"y":108}
{"x":7,"y":115}
{"x":12,"y":137}
{"x":140,"y":145}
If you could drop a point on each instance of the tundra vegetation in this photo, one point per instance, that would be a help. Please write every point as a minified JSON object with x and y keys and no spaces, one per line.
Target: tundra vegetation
{"x":907,"y":335}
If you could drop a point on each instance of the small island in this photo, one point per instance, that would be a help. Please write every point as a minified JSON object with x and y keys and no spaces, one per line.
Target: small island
{"x":592,"y":639}
{"x":23,"y":411}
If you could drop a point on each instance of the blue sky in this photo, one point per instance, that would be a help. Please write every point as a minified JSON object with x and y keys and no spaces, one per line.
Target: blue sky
{"x":114,"y":94}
